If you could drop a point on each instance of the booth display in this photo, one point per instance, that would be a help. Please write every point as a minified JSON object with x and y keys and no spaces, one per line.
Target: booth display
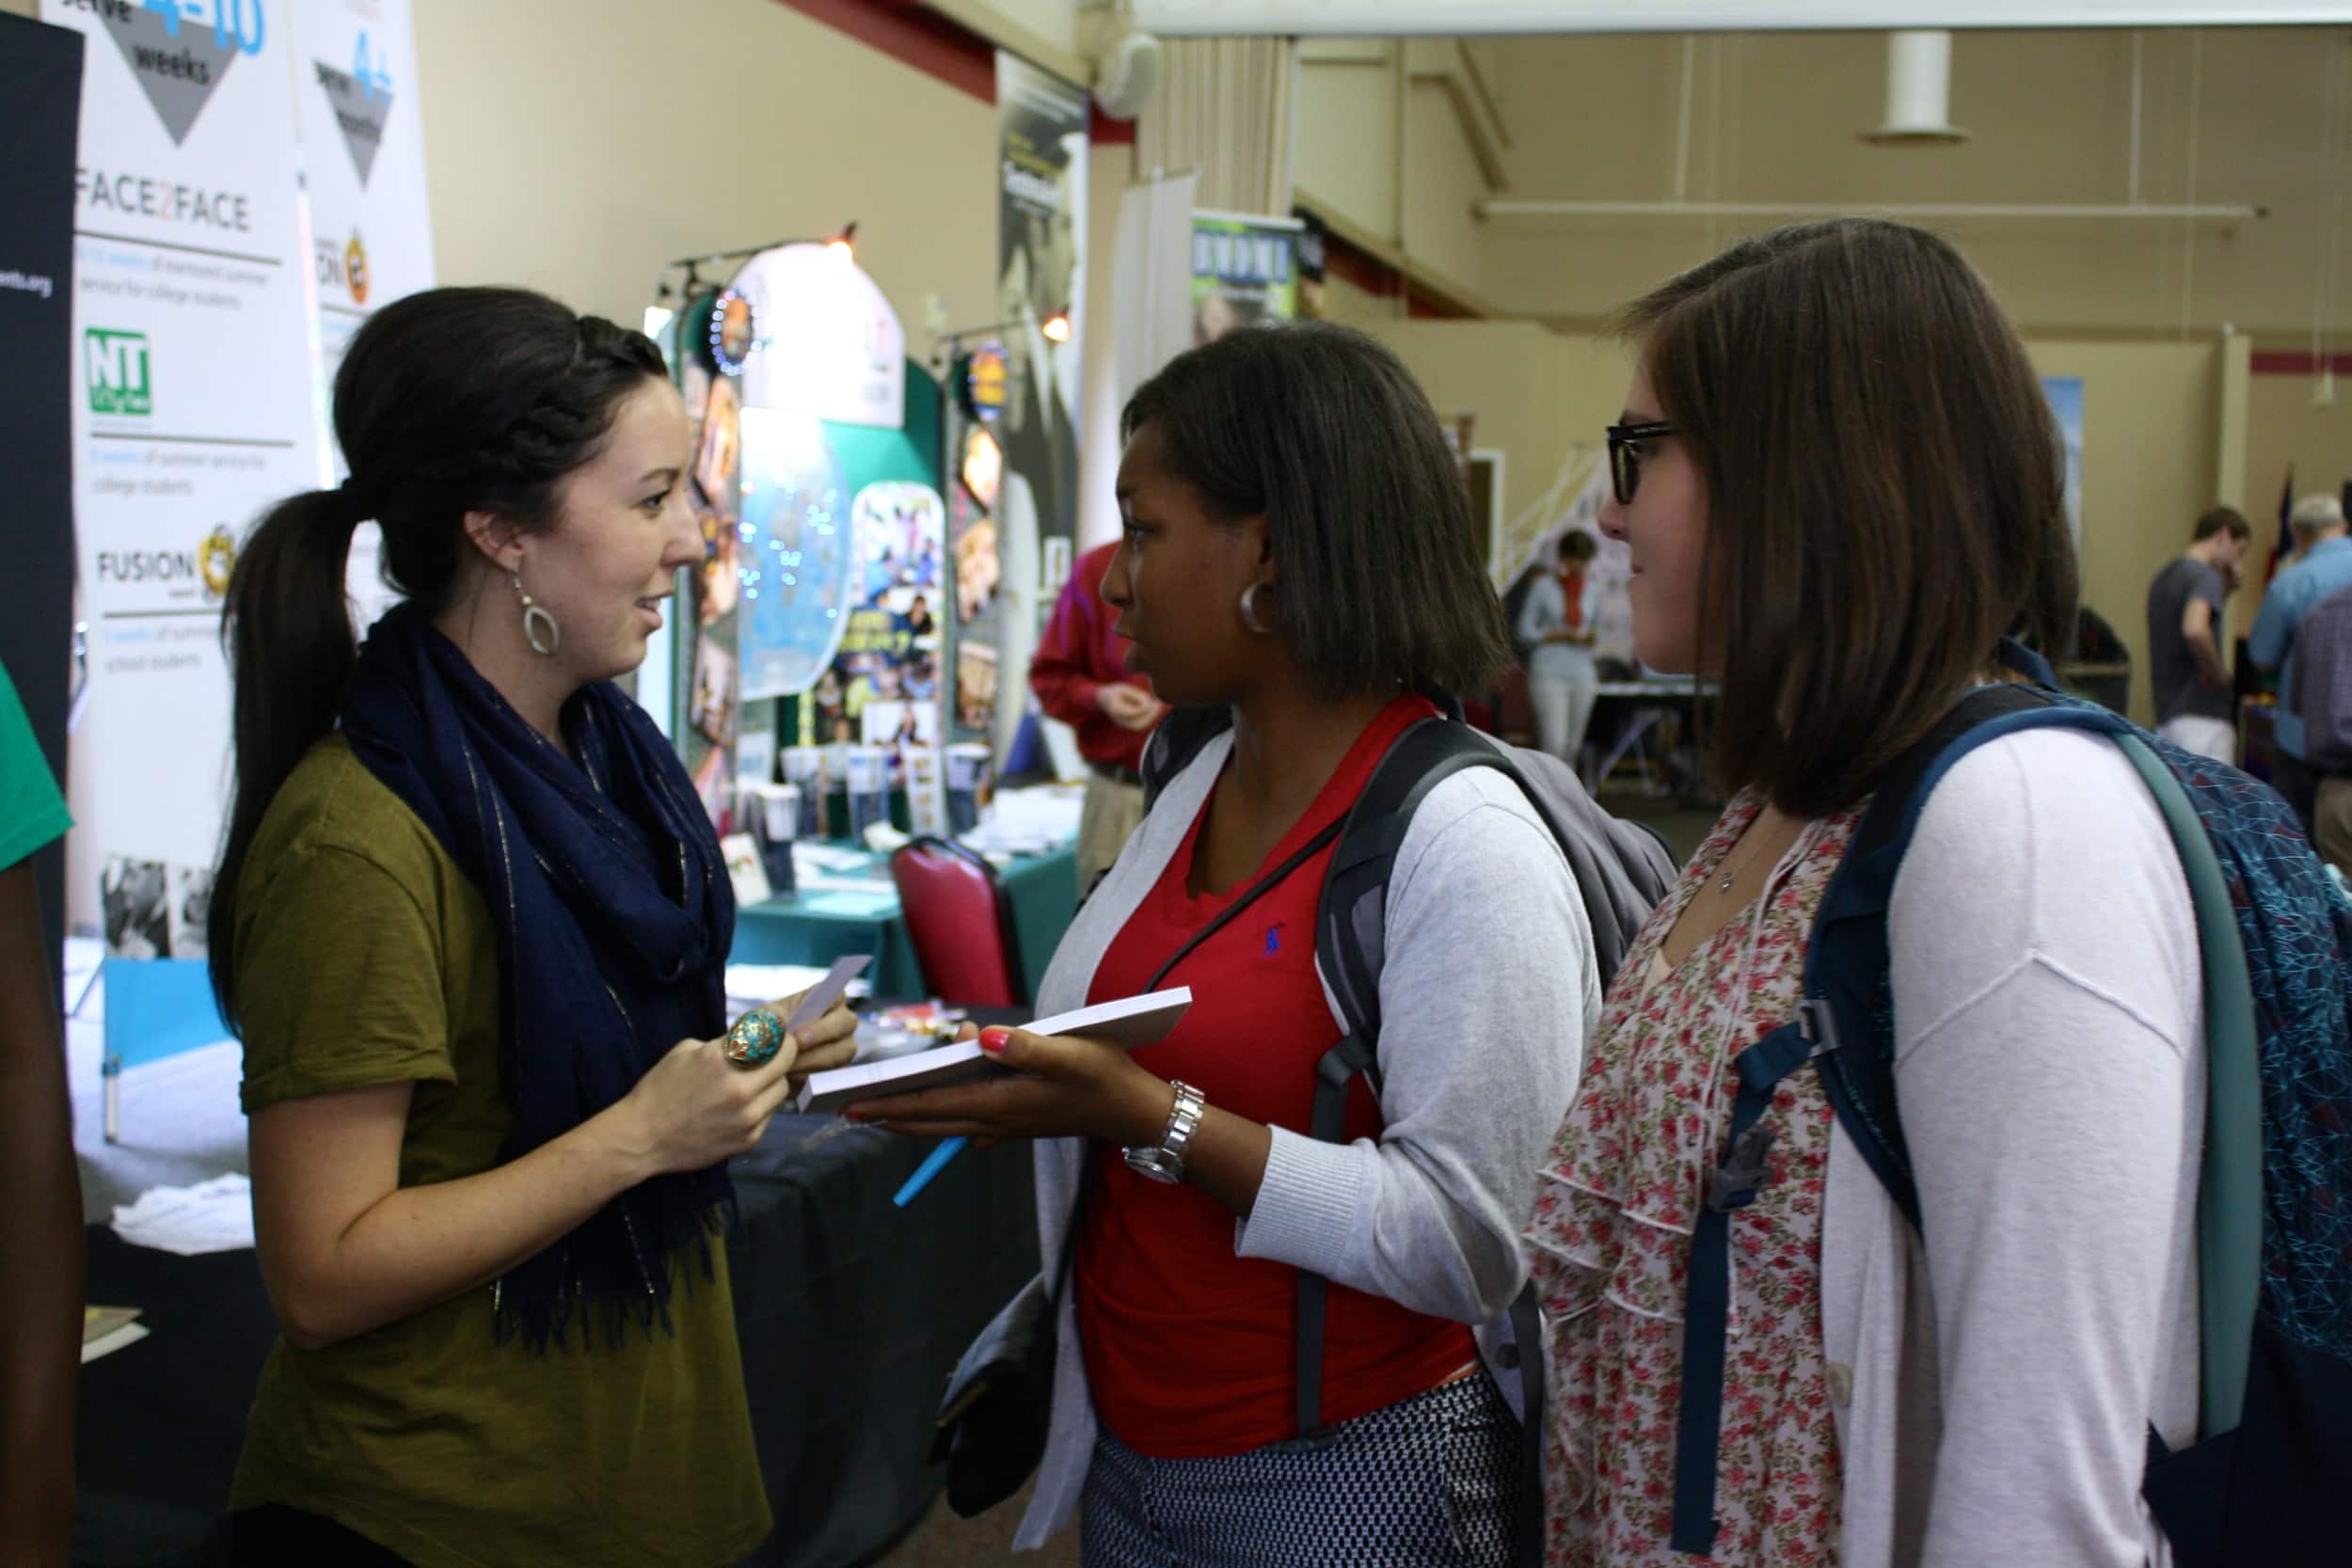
{"x":825,"y":573}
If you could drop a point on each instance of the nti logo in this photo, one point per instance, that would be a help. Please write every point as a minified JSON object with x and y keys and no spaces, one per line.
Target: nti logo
{"x":115,"y":364}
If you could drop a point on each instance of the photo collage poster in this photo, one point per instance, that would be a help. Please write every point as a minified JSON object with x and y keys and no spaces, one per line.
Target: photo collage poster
{"x":885,"y":685}
{"x":712,"y":339}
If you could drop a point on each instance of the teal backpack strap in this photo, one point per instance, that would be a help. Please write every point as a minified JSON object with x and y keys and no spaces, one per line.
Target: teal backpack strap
{"x":2230,"y":1187}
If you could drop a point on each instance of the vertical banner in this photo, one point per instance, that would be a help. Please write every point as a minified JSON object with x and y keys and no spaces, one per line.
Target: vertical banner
{"x":1041,"y":124}
{"x":1245,"y":273}
{"x":2065,"y":395}
{"x":1151,"y":281}
{"x":355,"y":99}
{"x":40,"y":93}
{"x":192,"y":412}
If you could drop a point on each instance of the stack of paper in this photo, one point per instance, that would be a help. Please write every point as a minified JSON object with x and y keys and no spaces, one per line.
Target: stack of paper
{"x":1135,"y":1023}
{"x":210,"y":1216}
{"x":107,"y":1329}
{"x":1028,"y":821}
{"x":751,"y":986}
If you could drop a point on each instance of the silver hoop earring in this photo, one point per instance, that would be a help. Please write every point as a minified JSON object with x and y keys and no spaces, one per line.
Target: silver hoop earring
{"x":539,"y":627}
{"x":1249,"y":610}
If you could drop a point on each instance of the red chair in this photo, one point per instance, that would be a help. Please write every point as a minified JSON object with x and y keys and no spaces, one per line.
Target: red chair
{"x":959,"y":913}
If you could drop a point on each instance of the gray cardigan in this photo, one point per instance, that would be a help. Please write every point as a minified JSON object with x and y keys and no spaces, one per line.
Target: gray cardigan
{"x":1488,"y":996}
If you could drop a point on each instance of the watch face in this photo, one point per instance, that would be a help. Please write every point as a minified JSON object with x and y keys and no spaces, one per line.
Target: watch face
{"x":1155,"y":1164}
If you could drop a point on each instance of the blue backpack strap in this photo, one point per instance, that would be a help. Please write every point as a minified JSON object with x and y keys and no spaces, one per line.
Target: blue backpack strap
{"x":1707,"y":1291}
{"x":2229,"y":1178}
{"x":1837,"y":1026}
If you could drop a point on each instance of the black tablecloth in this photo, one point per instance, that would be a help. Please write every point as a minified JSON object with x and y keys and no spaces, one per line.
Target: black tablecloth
{"x":851,"y":1314}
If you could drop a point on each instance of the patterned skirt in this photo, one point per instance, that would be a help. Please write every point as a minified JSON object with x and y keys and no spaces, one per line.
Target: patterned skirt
{"x":1430,"y":1481}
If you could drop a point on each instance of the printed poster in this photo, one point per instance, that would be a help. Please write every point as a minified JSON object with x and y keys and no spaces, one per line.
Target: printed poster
{"x":357,"y":98}
{"x":1041,"y":231}
{"x":192,"y":410}
{"x":1245,"y":273}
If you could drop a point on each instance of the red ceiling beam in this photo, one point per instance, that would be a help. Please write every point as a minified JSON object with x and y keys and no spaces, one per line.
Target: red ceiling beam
{"x":2296,"y":362}
{"x":918,"y":37}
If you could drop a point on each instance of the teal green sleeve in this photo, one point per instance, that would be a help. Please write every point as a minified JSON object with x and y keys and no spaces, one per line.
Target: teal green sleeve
{"x":32,"y":813}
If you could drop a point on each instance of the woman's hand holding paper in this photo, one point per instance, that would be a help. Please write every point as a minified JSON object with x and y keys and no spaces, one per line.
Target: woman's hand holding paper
{"x":1064,"y":1086}
{"x":829,"y":1042}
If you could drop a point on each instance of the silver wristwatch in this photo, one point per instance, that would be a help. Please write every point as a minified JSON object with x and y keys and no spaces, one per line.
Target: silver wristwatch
{"x":1165,"y":1161}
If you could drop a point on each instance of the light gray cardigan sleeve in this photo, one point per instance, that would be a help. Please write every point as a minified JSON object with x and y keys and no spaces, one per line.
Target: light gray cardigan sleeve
{"x":2049,"y":1059}
{"x":1487,"y":994}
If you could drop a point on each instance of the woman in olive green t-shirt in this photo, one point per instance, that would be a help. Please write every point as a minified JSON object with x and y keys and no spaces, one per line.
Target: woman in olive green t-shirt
{"x":472,"y":924}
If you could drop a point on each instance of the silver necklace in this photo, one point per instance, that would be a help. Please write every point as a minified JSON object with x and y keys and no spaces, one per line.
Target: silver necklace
{"x":1731,"y":873}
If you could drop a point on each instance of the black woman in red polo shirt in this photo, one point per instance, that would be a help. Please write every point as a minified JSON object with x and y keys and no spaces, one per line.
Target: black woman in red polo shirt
{"x":1299,"y":551}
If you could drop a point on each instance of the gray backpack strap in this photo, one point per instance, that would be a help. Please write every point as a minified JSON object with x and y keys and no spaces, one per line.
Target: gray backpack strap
{"x":1351,"y":947}
{"x":1176,"y":740}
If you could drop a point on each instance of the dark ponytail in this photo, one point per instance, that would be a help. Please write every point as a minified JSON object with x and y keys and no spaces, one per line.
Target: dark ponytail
{"x":449,"y":402}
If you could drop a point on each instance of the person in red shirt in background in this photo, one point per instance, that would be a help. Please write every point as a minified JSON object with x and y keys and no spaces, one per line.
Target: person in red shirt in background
{"x":1079,"y":673}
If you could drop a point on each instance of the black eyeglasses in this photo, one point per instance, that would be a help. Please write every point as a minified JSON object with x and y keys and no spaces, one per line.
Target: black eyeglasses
{"x":1624,"y":455}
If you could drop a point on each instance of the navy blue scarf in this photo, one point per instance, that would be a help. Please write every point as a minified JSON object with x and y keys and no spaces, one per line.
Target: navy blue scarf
{"x":614,"y":917}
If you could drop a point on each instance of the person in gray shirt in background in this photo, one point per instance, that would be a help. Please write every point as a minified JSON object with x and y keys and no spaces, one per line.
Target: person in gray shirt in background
{"x":2185,"y":672}
{"x":2321,"y":696}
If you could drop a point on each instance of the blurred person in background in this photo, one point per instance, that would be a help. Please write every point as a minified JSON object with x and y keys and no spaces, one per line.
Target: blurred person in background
{"x":1080,"y":675}
{"x":2185,"y":671}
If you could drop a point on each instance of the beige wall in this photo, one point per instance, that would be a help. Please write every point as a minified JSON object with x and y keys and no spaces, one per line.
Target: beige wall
{"x":1354,"y":95}
{"x":2152,"y":423}
{"x":1345,"y":151}
{"x":577,"y":145}
{"x":1342,"y":301}
{"x":2284,"y":425}
{"x":2225,"y":116}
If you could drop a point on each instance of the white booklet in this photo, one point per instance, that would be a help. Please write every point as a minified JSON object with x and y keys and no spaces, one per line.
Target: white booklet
{"x":1133,"y":1022}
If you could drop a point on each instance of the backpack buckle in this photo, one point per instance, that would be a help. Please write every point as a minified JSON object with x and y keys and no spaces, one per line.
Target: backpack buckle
{"x":1818,"y":1022}
{"x":1741,"y":1176}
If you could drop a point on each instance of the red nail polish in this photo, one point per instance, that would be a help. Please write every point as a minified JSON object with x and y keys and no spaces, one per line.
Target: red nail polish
{"x":995,"y":1039}
{"x":854,"y":1115}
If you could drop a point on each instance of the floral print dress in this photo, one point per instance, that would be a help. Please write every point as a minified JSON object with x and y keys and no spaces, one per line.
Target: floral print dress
{"x":1611,"y":1234}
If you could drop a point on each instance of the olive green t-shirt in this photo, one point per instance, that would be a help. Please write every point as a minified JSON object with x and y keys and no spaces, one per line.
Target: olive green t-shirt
{"x":366,"y":958}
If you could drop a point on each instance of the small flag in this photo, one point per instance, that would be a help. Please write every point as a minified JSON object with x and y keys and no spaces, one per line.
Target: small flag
{"x":2286,"y":534}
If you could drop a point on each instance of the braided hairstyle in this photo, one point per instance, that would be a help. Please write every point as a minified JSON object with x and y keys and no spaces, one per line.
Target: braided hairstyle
{"x":449,"y":402}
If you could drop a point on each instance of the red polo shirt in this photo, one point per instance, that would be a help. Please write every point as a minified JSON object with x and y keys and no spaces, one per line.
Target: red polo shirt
{"x":1077,"y":655}
{"x":1189,"y":1348}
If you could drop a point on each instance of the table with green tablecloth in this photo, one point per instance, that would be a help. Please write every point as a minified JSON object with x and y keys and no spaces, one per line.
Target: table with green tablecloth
{"x":855,"y":910}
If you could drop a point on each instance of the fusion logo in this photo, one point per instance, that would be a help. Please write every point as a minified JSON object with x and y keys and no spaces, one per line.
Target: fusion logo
{"x":343,"y":267}
{"x":216,"y":559}
{"x":115,"y":366}
{"x":200,"y":575}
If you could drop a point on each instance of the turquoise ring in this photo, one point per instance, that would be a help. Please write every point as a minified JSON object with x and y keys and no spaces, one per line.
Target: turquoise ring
{"x":756,"y":1038}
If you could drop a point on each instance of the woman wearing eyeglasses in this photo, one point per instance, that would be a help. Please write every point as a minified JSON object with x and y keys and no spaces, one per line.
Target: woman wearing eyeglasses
{"x":1841,"y":489}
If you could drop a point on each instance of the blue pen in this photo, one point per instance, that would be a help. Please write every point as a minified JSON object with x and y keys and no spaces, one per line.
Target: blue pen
{"x":933,"y":1163}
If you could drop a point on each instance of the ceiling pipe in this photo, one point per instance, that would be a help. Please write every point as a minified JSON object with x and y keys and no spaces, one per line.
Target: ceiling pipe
{"x":1536,"y":210}
{"x":1456,"y":17}
{"x":1918,"y":92}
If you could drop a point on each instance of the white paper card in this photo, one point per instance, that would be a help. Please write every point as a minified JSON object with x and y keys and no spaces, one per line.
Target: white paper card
{"x":1133,"y":1022}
